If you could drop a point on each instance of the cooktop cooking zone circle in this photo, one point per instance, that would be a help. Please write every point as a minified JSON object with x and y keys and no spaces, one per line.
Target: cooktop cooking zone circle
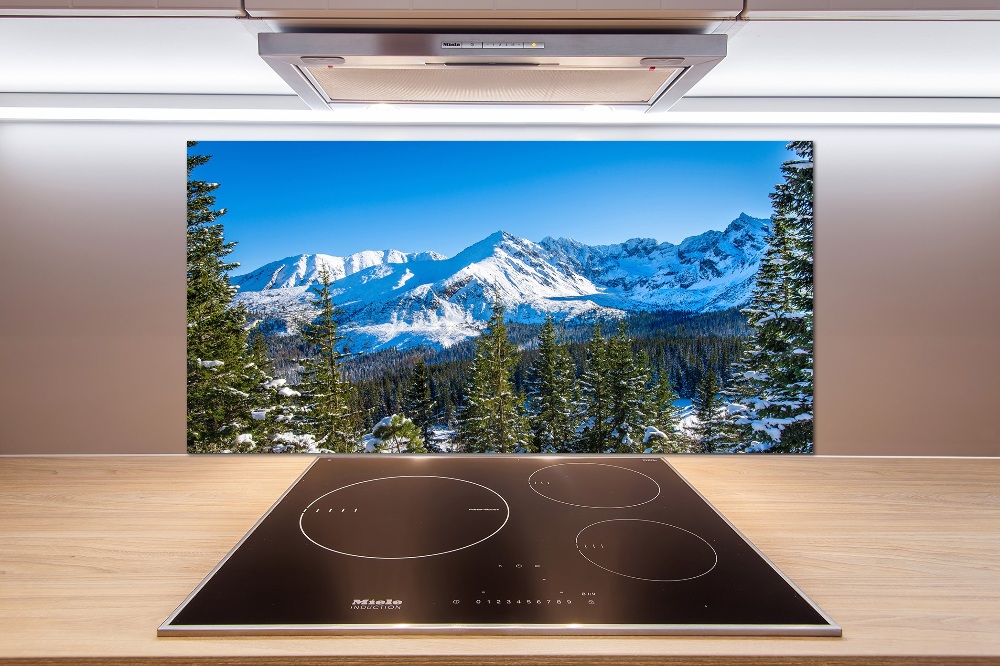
{"x":404,"y":517}
{"x":646,"y":550}
{"x":594,"y":485}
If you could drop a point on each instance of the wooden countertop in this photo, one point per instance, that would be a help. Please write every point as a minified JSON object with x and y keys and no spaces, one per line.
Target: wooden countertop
{"x":904,"y":553}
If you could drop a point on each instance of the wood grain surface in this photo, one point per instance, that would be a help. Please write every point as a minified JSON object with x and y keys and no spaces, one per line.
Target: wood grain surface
{"x":904,"y":553}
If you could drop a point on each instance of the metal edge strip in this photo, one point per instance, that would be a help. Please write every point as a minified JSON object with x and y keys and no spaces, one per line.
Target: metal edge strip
{"x":835,"y":629}
{"x":505,"y":629}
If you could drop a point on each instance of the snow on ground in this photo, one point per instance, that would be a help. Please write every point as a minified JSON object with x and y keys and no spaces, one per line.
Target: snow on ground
{"x":407,"y":274}
{"x":688,"y":419}
{"x":441,"y":334}
{"x":287,"y":441}
{"x":442,"y":440}
{"x":652,"y":432}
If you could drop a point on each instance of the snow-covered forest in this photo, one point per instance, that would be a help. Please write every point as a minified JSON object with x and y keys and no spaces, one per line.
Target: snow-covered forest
{"x":659,"y":381}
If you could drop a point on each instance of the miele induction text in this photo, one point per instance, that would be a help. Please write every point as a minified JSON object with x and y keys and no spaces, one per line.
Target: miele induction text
{"x":376,"y":604}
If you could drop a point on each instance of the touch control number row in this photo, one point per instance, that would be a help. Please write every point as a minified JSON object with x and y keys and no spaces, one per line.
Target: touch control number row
{"x":511,"y":602}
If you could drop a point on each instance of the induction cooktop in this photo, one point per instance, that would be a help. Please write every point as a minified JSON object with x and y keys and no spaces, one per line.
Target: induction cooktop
{"x":495,"y":544}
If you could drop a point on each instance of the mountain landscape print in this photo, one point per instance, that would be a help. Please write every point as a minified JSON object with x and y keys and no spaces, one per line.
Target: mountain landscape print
{"x":511,"y":297}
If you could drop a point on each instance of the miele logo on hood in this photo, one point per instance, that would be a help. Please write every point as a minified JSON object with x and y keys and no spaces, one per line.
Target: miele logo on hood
{"x":376,"y":604}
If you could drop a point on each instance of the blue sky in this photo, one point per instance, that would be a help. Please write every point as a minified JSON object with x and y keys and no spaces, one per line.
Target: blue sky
{"x":290,"y":198}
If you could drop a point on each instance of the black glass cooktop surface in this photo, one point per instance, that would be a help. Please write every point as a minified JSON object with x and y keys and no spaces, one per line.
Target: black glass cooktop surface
{"x":495,"y":544}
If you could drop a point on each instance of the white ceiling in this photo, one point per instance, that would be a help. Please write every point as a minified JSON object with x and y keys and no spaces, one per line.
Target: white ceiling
{"x":787,"y":59}
{"x":133,"y":55}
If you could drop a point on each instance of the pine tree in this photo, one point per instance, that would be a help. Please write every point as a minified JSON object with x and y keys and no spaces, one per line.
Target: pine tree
{"x":446,"y":412}
{"x":279,"y":421}
{"x":491,"y":420}
{"x":276,"y":404}
{"x":596,"y":385}
{"x":710,"y":411}
{"x":418,"y":403}
{"x":399,"y":433}
{"x":662,"y":413}
{"x":332,"y":416}
{"x":773,"y":382}
{"x":665,"y":417}
{"x":626,"y":383}
{"x":223,"y":378}
{"x":553,"y":396}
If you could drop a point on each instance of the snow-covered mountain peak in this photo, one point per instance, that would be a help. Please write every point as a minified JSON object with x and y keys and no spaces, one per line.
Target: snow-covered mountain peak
{"x":304,"y":270}
{"x":639,"y":246}
{"x":749,"y":225}
{"x":392,"y":299}
{"x":498,"y":241}
{"x":429,"y":255}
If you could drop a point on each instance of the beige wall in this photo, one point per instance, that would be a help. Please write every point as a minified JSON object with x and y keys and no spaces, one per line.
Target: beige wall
{"x":92,"y":280}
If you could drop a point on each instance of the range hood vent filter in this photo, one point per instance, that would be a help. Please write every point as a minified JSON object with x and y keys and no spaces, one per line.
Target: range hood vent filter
{"x":336,"y":70}
{"x":498,"y":85}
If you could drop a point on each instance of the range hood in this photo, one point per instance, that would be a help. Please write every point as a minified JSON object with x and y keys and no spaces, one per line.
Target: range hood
{"x":337,"y":70}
